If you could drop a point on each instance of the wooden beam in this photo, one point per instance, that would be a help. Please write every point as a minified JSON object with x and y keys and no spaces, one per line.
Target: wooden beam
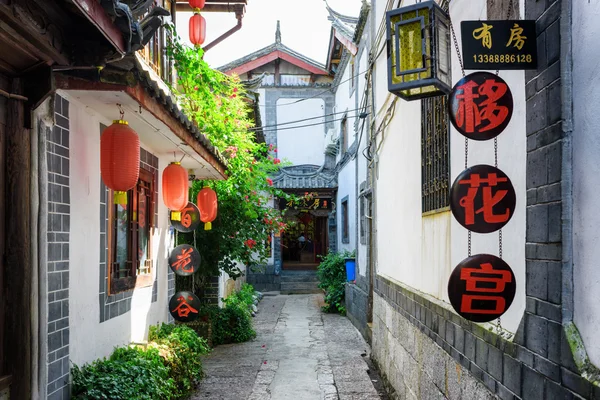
{"x":250,"y":65}
{"x":150,"y":104}
{"x":98,"y":17}
{"x":17,"y":254}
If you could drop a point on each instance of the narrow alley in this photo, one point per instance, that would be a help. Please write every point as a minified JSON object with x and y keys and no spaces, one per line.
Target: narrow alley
{"x":299,"y":353}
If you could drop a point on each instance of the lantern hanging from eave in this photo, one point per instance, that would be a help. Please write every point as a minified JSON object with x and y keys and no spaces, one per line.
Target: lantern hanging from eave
{"x":175,"y":189}
{"x":207,"y":204}
{"x":196,"y":4}
{"x":119,"y":159}
{"x":418,"y":51}
{"x":197,"y":29}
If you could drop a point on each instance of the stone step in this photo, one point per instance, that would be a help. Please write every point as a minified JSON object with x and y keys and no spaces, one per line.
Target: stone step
{"x":299,"y":287}
{"x":299,"y":278}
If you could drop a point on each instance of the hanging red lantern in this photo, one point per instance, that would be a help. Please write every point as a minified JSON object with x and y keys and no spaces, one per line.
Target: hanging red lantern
{"x":207,"y":203}
{"x":197,"y":4}
{"x":119,"y":159}
{"x":175,"y":189}
{"x":197,"y":29}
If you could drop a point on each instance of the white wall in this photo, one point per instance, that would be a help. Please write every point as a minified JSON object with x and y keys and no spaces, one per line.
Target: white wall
{"x":422,"y":251}
{"x":301,"y":145}
{"x":346,"y":187}
{"x":586,"y":173}
{"x":89,"y":338}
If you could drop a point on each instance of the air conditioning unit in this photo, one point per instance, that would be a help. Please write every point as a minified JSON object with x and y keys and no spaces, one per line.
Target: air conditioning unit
{"x":331,"y":142}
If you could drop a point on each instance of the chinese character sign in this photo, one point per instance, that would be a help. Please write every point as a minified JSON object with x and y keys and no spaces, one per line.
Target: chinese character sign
{"x":190,"y":219}
{"x":315,"y":203}
{"x":481,"y":288}
{"x":184,"y":306}
{"x":482,"y":199}
{"x":480,"y":106}
{"x":184,"y":260}
{"x":499,"y":44}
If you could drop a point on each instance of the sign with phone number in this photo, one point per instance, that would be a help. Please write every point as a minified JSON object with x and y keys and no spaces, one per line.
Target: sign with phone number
{"x":499,"y":44}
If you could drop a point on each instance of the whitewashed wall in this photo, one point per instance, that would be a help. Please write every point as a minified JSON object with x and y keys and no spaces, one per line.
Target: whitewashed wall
{"x":91,"y":339}
{"x":301,"y":145}
{"x":586,"y":173}
{"x":422,"y":251}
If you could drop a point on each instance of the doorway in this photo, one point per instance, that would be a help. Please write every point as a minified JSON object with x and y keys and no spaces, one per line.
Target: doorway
{"x":304,"y":241}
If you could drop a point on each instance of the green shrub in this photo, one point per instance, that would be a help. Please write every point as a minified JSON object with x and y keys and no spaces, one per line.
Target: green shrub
{"x":332,"y":278}
{"x":129,"y":373}
{"x":232,"y":324}
{"x":181,"y":348}
{"x":168,"y":368}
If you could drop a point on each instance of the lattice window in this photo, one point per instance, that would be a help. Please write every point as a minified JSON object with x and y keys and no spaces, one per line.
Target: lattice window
{"x":435,"y":153}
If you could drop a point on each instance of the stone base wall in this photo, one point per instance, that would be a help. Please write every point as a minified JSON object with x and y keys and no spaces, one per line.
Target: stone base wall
{"x":426,"y":351}
{"x":357,"y":303}
{"x":413,"y":365}
{"x":264,"y":279}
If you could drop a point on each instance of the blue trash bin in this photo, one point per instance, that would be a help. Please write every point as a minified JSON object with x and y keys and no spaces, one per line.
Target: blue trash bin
{"x":350,"y":269}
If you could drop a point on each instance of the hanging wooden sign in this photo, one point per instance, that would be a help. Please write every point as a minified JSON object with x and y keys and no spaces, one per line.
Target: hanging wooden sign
{"x":184,"y":306}
{"x":190,"y":219}
{"x":482,"y":199}
{"x":481,"y":288}
{"x":499,"y":44}
{"x":184,"y":260}
{"x":480,"y":106}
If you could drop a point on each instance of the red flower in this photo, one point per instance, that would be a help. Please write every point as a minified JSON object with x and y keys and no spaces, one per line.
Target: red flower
{"x":276,"y":161}
{"x":270,"y":147}
{"x":250,"y":243}
{"x":270,"y":181}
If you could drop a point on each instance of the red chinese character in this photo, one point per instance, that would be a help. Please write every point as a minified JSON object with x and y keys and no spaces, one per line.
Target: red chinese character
{"x":186,"y":219}
{"x":472,"y":113}
{"x":183,"y":260}
{"x":489,"y":199}
{"x":184,"y":309}
{"x":494,"y":280}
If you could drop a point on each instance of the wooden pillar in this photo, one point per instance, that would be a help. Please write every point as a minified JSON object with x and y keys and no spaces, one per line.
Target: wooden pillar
{"x":17,"y":339}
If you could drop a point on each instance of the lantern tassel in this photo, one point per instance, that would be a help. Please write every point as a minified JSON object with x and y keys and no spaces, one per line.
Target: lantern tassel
{"x":175,"y":215}
{"x":207,"y":226}
{"x":120,"y":197}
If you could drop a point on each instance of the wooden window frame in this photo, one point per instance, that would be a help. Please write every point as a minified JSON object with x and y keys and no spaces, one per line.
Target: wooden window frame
{"x":134,"y":280}
{"x":435,"y":155}
{"x":345,"y":210}
{"x":344,"y":135}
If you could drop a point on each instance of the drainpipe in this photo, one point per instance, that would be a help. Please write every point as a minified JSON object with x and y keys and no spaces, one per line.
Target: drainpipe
{"x":566,"y":76}
{"x":224,"y":36}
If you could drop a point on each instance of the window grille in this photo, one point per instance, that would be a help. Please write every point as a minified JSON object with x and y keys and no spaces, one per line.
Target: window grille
{"x":435,"y":154}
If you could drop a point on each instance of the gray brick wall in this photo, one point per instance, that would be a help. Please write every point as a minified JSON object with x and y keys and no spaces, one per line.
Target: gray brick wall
{"x":59,"y":209}
{"x":112,"y":306}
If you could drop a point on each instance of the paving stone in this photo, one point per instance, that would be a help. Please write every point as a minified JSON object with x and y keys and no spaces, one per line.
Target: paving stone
{"x":306,"y":355}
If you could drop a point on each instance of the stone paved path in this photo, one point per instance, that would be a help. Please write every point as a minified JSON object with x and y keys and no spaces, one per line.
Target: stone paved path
{"x":299,"y":354}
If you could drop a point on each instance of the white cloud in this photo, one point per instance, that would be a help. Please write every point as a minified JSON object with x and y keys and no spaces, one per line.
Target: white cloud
{"x":304,"y":28}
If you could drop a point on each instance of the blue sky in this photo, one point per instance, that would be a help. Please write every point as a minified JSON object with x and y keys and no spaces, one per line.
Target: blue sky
{"x":304,"y":27}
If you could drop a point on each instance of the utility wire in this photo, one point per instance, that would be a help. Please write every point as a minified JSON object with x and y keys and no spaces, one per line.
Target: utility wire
{"x":315,"y":124}
{"x":302,"y":120}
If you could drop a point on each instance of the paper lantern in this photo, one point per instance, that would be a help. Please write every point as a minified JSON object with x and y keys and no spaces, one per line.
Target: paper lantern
{"x":175,"y":189}
{"x":418,"y":48}
{"x":196,"y":4}
{"x":197,"y":29}
{"x":119,"y":159}
{"x":207,"y":203}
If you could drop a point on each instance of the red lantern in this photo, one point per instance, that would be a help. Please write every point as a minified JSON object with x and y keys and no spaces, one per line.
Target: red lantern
{"x":120,"y":159}
{"x":197,"y":29}
{"x":175,"y":189}
{"x":197,"y":4}
{"x":207,"y":203}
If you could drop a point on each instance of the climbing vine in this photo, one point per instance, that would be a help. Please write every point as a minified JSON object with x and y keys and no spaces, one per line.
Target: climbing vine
{"x":219,"y":105}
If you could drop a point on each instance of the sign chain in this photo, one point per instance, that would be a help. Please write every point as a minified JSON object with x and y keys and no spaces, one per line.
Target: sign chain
{"x":462,"y":68}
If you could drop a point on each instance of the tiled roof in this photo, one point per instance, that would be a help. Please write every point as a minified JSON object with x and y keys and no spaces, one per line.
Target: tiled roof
{"x":153,"y":88}
{"x":342,"y":23}
{"x":305,"y":177}
{"x":277,"y":46}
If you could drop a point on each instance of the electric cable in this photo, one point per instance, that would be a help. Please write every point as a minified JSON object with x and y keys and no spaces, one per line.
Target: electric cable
{"x":301,"y":120}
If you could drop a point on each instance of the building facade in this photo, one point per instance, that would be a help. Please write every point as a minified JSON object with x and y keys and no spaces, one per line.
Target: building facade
{"x":543,"y":346}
